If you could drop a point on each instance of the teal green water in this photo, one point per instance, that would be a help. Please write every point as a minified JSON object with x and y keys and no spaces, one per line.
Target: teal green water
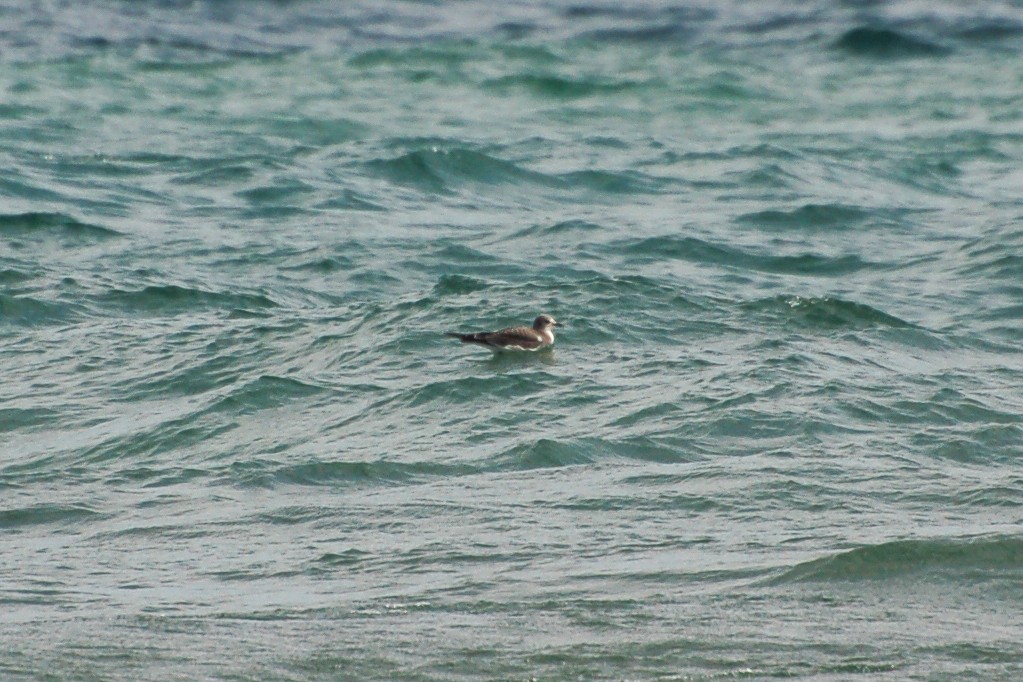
{"x":779,"y":436}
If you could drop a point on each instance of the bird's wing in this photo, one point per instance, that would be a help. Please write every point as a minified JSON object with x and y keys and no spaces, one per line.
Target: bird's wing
{"x":513,"y":337}
{"x":523,"y":337}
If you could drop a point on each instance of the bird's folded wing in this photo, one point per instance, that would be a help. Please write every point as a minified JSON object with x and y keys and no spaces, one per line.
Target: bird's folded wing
{"x":523,"y":337}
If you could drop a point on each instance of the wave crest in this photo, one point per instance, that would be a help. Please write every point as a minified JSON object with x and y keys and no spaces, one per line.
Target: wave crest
{"x":886,"y":43}
{"x":912,"y":558}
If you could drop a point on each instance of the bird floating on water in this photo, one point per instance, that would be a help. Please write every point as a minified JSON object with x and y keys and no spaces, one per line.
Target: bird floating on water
{"x":537,"y":337}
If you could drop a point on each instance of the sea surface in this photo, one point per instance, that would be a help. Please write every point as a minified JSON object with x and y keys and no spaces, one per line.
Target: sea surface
{"x":780,"y":435}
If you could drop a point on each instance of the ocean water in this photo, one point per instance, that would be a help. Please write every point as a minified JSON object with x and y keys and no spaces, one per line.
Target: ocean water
{"x":781,"y":432}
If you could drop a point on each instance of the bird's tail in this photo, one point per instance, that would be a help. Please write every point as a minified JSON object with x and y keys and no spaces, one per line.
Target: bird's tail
{"x":464,"y":338}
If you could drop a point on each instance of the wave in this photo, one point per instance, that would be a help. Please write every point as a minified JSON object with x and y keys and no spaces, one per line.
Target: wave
{"x":995,"y":257}
{"x":171,"y":298}
{"x":263,"y":473}
{"x":187,"y":377}
{"x":317,"y":132}
{"x":568,"y":228}
{"x":225,"y":174}
{"x":459,"y":284}
{"x":278,"y":194}
{"x":419,"y":57}
{"x":14,"y":112}
{"x":324,"y":266}
{"x":14,"y":418}
{"x":671,"y":33}
{"x":950,"y":406}
{"x":700,"y":251}
{"x":542,"y":453}
{"x":809,"y":216}
{"x":266,"y":391}
{"x":886,"y":43}
{"x":549,"y":453}
{"x":439,"y":44}
{"x":445,"y":171}
{"x":506,"y":386}
{"x":349,"y":200}
{"x":627,"y":23}
{"x":9,"y":276}
{"x":59,"y":225}
{"x":986,"y":30}
{"x":447,"y":259}
{"x":45,"y":515}
{"x":614,"y":182}
{"x":827,"y":312}
{"x":560,"y":87}
{"x":978,"y":558}
{"x":29,"y":311}
{"x":342,"y":559}
{"x":439,"y":171}
{"x":193,"y":418}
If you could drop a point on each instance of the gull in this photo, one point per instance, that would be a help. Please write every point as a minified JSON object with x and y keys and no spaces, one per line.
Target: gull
{"x":537,"y":337}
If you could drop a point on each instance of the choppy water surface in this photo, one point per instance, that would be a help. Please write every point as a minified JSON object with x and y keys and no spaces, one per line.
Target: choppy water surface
{"x":780,"y":435}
